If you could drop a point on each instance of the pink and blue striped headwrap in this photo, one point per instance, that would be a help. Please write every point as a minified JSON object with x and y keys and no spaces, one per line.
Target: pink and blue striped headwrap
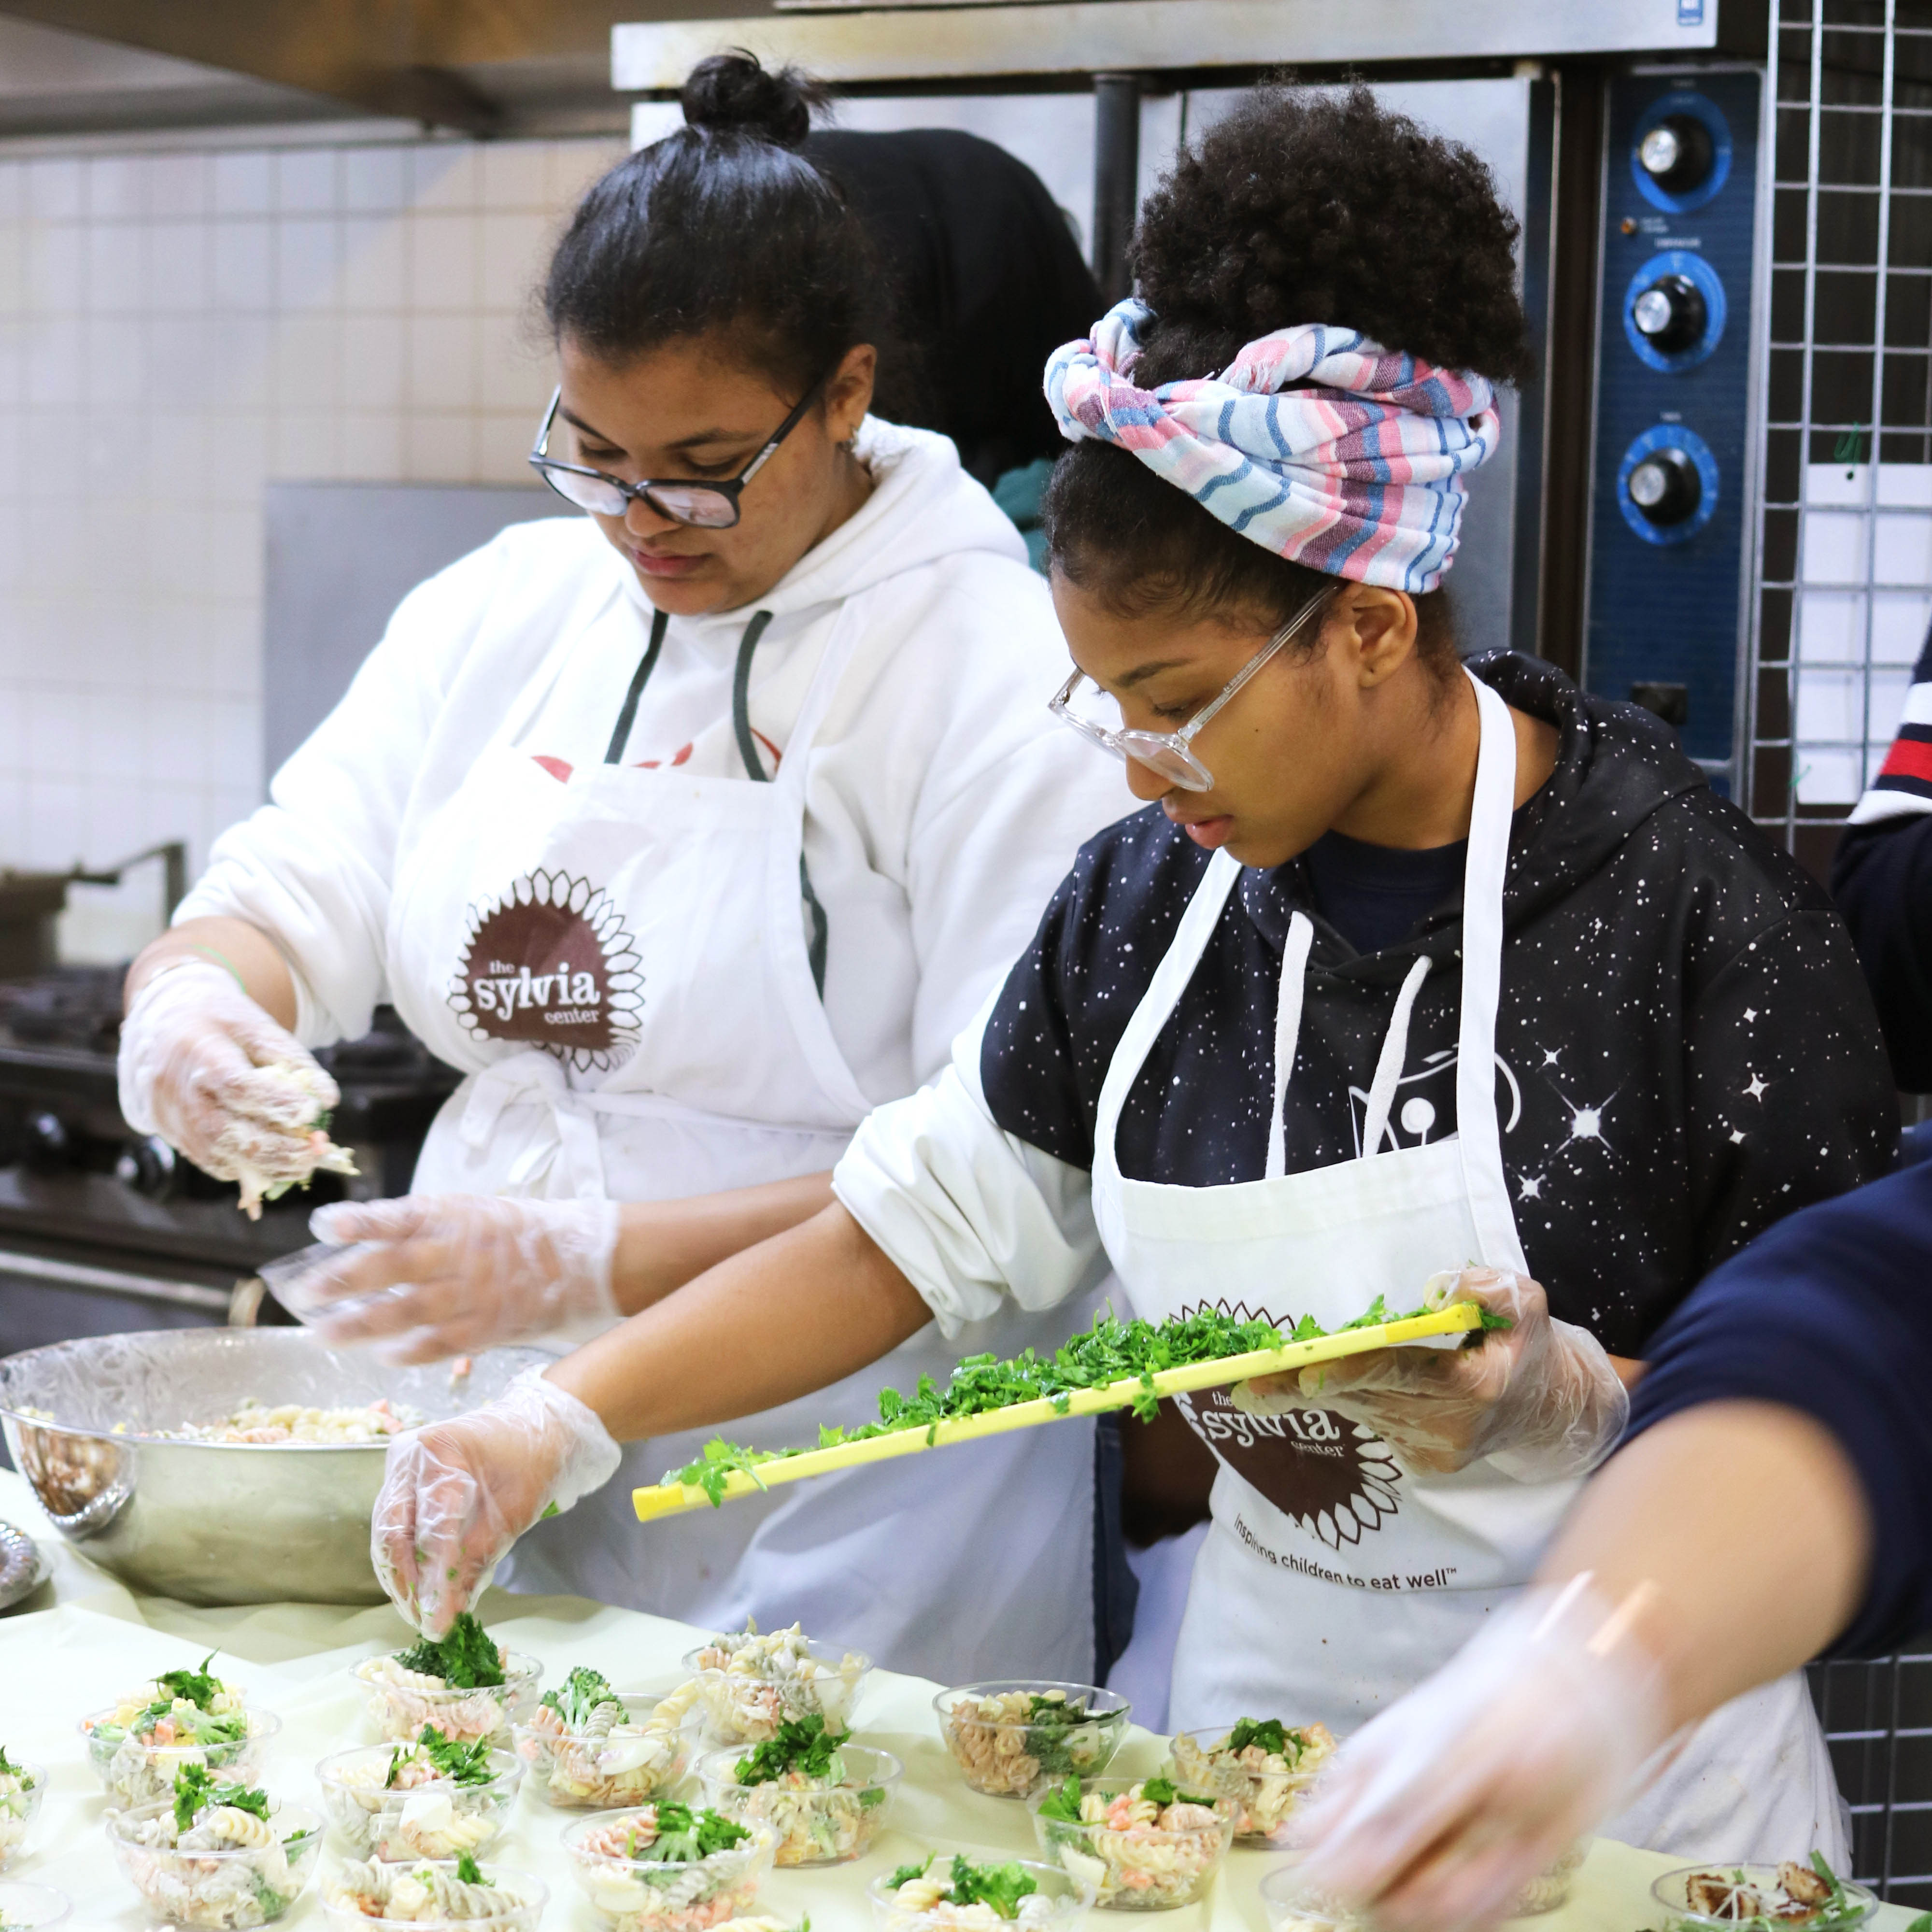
{"x":1356,"y":470}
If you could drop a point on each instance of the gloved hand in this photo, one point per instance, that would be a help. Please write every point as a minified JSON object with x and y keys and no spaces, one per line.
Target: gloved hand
{"x":446,"y":1274}
{"x":456,"y":1495}
{"x":1539,"y":1398}
{"x":1434,"y":1816}
{"x":204,"y":1067}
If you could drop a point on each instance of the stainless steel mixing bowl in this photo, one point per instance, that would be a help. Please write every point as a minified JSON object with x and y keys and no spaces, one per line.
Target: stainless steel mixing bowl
{"x":216,"y":1523}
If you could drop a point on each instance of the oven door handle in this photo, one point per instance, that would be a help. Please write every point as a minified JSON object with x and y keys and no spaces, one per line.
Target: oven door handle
{"x":237,"y":1306}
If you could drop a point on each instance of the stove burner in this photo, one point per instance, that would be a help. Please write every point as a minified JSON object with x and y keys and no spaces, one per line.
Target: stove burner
{"x":72,"y":1006}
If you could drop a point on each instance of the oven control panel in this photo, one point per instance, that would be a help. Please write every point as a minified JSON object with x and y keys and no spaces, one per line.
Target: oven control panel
{"x":1671,"y":487}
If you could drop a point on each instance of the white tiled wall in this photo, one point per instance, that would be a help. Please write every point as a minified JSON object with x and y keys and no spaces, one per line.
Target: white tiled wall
{"x":178,"y":329}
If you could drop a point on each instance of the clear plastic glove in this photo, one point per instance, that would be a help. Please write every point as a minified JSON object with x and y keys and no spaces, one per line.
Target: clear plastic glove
{"x":1540,"y":1398}
{"x":204,"y":1067}
{"x":435,"y":1275}
{"x":1434,"y":1817}
{"x":456,"y":1495}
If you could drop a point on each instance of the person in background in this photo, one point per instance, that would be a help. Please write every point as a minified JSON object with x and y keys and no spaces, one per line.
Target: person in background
{"x":1882,"y":879}
{"x":1408,"y":960}
{"x":1771,"y":1502}
{"x":688,"y":828}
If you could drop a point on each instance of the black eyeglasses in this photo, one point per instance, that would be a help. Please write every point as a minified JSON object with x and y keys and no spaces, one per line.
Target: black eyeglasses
{"x":710,"y":506}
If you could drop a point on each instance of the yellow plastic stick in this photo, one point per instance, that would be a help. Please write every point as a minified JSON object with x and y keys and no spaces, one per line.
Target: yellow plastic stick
{"x":657,"y":1499}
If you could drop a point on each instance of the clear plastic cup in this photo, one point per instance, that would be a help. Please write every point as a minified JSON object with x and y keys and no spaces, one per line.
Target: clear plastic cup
{"x":1269,"y":1787}
{"x":437,"y":1819}
{"x":1058,"y":1903}
{"x":1134,"y":1866}
{"x":21,"y":1792}
{"x":1675,"y":1892}
{"x":627,"y":1763}
{"x":744,"y":1702}
{"x":1006,"y":1736}
{"x":401,"y":1701}
{"x":33,"y":1907}
{"x":134,"y":1771}
{"x":630,"y":1894}
{"x":823,"y":1824}
{"x":256,"y":1883}
{"x":517,"y":1904}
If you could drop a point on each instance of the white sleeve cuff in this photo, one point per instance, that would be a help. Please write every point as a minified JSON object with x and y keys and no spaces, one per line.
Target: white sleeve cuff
{"x":969,"y":1214}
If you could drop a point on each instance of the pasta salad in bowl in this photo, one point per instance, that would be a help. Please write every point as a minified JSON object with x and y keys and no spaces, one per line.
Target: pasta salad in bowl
{"x":1008,"y":1735}
{"x":217,"y":1854}
{"x":431,"y":1895}
{"x":1263,"y":1764}
{"x":1144,"y":1846}
{"x":184,"y":1716}
{"x":823,"y":1796}
{"x":32,"y":1908}
{"x":590,"y":1747}
{"x":667,"y":1867}
{"x":750,"y":1683}
{"x":938,"y":1894}
{"x":23,"y":1786}
{"x":434,"y":1799}
{"x":463,"y":1683}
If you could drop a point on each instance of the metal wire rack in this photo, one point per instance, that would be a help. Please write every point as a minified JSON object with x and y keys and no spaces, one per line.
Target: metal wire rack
{"x":1844,"y":553}
{"x":1878,"y":1722}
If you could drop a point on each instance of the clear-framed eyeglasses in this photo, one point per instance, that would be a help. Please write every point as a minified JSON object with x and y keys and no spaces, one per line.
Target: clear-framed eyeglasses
{"x":1172,"y":754}
{"x":708,"y":506}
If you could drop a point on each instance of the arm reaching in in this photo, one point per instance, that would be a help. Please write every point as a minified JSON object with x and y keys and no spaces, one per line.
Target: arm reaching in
{"x":796,"y":1313}
{"x":430,"y":1276}
{"x":1671,"y":1589}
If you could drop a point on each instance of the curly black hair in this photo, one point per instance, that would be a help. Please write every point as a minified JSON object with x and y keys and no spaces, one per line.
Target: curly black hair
{"x":1301,"y":206}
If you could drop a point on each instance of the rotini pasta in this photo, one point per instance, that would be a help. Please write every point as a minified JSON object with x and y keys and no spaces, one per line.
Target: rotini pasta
{"x":252,"y":1420}
{"x":823,"y":1799}
{"x":23,"y":1786}
{"x":1145,"y":1846}
{"x":666,"y":1867}
{"x":431,"y":1799}
{"x":403,"y":1695}
{"x":1006,"y":1737}
{"x":1263,"y":1766}
{"x":956,"y":1895}
{"x":433,"y":1894}
{"x":184,"y":1716}
{"x":590,"y":1748}
{"x":218,"y":1855}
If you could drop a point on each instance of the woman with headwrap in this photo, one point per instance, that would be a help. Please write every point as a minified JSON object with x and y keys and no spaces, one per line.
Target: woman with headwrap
{"x":1411,"y":968}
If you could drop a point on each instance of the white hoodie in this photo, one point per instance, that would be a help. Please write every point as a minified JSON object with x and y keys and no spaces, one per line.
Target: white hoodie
{"x":942,"y":807}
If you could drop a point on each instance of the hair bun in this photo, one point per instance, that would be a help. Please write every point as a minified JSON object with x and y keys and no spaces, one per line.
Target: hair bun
{"x":732,"y":93}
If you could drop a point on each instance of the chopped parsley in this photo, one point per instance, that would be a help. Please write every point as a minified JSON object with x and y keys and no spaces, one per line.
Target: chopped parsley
{"x":1111,"y":1351}
{"x":196,"y":1792}
{"x":1161,"y":1791}
{"x":1269,"y":1734}
{"x":1063,"y":1802}
{"x":802,"y":1744}
{"x":581,"y":1693}
{"x":466,"y":1660}
{"x":685,"y":1836}
{"x":1000,"y":1886}
{"x":1051,"y":1722}
{"x":469,"y":1873}
{"x":905,"y":1874}
{"x":8,"y":1769}
{"x":192,"y":1687}
{"x":449,"y":1757}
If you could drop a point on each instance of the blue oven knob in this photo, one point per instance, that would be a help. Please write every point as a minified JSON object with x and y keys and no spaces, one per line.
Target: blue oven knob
{"x":1674,"y":310}
{"x":1677,"y":153}
{"x":1667,"y":484}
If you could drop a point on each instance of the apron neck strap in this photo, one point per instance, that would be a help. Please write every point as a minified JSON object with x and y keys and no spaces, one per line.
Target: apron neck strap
{"x":648,"y":663}
{"x":1476,"y":1129}
{"x":1287,"y":1034}
{"x":741,"y":698}
{"x":1388,"y":1067}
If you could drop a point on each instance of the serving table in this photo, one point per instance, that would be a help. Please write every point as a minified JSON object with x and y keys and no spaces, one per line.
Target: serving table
{"x":83,"y":1638}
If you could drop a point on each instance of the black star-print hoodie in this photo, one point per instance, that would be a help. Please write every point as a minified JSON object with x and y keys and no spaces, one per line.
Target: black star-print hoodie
{"x":1687,"y":1049}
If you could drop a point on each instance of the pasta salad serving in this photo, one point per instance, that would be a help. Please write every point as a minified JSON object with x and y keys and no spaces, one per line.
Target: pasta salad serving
{"x":824,"y":1797}
{"x":463,"y":1683}
{"x":939,"y":1895}
{"x":1263,"y":1764}
{"x":183,"y":1717}
{"x":592,"y":1748}
{"x":23,"y":1786}
{"x":1143,"y":1846}
{"x":1007,"y":1736}
{"x":255,"y":1421}
{"x":433,"y":1893}
{"x":750,"y":1683}
{"x":668,"y":1867}
{"x":435,"y":1799}
{"x":217,"y":1854}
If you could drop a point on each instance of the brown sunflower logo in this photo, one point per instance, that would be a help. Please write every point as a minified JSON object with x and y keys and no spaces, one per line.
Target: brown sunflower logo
{"x":1329,"y":1476}
{"x":551,"y":963}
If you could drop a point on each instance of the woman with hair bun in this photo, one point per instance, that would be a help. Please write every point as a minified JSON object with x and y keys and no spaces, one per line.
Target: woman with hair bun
{"x":1416,"y":979}
{"x":689,"y":829}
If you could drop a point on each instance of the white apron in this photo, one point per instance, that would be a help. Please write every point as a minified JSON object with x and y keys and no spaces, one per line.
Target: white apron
{"x":1332,"y":1580}
{"x":631,"y":958}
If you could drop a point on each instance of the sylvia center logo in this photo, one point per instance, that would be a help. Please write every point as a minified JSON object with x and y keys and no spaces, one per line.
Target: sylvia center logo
{"x":550,"y":964}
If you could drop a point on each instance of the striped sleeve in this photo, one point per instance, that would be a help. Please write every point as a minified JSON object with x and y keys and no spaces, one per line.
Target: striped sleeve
{"x":1904,"y":782}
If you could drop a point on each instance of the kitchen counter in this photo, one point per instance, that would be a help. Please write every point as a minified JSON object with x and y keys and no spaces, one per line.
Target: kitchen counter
{"x":83,"y":1639}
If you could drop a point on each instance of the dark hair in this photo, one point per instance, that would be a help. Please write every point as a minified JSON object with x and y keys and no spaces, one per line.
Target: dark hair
{"x":723,"y":228}
{"x":1300,"y":206}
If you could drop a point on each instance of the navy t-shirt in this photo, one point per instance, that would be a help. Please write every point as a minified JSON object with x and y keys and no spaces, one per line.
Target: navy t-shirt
{"x":1375,"y":895}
